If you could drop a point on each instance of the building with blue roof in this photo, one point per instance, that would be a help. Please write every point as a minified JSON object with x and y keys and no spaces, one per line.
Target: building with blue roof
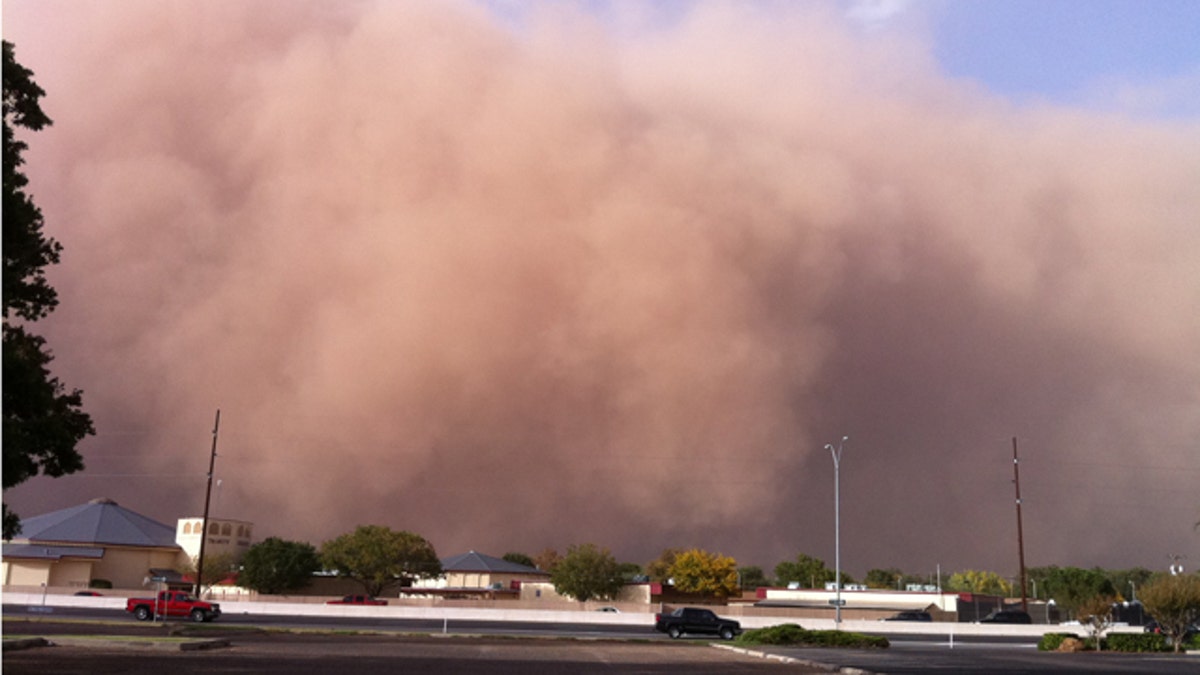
{"x":100,"y":541}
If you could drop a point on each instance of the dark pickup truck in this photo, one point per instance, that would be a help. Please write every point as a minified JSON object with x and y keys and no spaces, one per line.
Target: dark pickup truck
{"x":696,"y":621}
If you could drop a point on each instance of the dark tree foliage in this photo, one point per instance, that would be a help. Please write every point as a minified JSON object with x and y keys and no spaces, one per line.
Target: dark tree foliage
{"x":43,"y":421}
{"x":519,"y":559}
{"x":587,"y":572}
{"x":631,"y":572}
{"x":378,"y":557}
{"x":753,"y":577}
{"x":276,"y":566}
{"x":808,"y":571}
{"x":889,"y":578}
{"x":1070,"y":587}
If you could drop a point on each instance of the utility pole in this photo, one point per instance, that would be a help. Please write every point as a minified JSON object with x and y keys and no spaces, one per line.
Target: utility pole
{"x":1020,"y":536}
{"x":212,"y":460}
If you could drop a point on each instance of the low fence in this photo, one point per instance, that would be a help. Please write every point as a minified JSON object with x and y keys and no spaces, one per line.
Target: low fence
{"x":749,"y":616}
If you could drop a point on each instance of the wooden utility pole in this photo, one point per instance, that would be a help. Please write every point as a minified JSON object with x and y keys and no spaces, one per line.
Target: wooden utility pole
{"x":212,"y":460}
{"x":1020,"y":536}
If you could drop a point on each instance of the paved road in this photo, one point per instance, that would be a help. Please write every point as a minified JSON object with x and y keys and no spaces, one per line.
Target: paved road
{"x":368,"y":655}
{"x":912,"y":658}
{"x":471,"y":626}
{"x":648,"y":653}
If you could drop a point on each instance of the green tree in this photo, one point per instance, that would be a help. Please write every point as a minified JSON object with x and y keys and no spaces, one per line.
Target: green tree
{"x":884,"y":578}
{"x":377,"y":557}
{"x":630,"y":571}
{"x":1174,"y":602}
{"x":979,"y":581}
{"x":275,"y":566}
{"x":1126,"y":582}
{"x":43,"y":422}
{"x":753,"y":577}
{"x":587,"y":572}
{"x":218,"y":566}
{"x":519,"y":559}
{"x":698,"y":571}
{"x":659,"y":569}
{"x":1071,"y":586}
{"x":807,"y":571}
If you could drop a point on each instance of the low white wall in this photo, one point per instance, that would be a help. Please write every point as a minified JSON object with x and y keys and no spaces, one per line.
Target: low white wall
{"x":451,"y":614}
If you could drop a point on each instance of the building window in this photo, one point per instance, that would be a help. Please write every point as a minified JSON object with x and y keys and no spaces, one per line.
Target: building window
{"x":187,"y":528}
{"x":227,"y":529}
{"x":214,"y":529}
{"x":241,"y":530}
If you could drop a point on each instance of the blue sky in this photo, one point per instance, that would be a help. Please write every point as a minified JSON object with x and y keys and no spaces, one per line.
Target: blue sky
{"x":1074,"y":51}
{"x":1135,"y":56}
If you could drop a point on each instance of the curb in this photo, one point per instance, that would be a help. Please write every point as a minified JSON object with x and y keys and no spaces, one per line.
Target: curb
{"x":110,"y":643}
{"x":830,"y":667}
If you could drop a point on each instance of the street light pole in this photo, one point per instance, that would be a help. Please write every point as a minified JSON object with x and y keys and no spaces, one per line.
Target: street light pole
{"x":837,"y":529}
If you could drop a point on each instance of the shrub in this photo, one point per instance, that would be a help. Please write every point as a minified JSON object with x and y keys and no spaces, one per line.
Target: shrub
{"x":1136,"y":642}
{"x":1051,"y":641}
{"x":793,"y":634}
{"x":783,"y":634}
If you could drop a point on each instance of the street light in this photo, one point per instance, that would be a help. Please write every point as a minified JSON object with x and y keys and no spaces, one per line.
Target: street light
{"x":837,"y":529}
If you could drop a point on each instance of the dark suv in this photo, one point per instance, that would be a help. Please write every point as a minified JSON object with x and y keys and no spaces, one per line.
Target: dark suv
{"x":1007,"y":616}
{"x":909,"y":616}
{"x":696,"y":620}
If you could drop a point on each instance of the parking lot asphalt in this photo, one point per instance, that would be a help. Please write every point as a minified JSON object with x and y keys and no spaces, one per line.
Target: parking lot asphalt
{"x":270,"y":652}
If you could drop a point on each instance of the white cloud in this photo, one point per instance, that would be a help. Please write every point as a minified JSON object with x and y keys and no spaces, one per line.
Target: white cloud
{"x":874,"y":12}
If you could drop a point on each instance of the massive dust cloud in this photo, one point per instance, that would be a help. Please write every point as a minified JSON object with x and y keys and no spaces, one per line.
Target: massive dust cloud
{"x":524,"y":286}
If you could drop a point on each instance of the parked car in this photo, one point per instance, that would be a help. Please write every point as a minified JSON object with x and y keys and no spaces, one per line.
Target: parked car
{"x":909,"y":616}
{"x":1007,"y":616}
{"x":610,"y":609}
{"x":1153,"y":627}
{"x":358,"y":600}
{"x":697,"y":621}
{"x":91,"y":594}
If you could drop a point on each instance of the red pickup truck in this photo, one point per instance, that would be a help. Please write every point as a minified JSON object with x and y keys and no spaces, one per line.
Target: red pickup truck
{"x":173,"y":603}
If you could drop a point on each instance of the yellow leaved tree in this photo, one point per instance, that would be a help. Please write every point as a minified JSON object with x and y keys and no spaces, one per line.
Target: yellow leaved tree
{"x":698,"y":571}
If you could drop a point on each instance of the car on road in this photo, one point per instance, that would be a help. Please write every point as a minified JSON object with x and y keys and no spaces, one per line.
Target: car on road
{"x":172,"y":603}
{"x":1007,"y":616}
{"x":358,"y":600}
{"x":90,"y":594}
{"x":697,"y":621}
{"x":909,"y":616}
